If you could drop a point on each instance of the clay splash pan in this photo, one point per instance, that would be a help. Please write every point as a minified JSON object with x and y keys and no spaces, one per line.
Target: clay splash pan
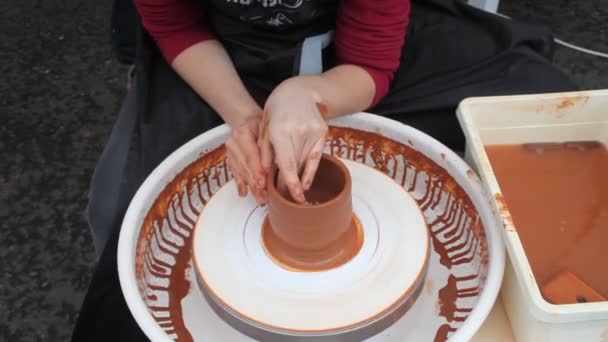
{"x":308,"y":295}
{"x":543,"y":159}
{"x":465,"y":258}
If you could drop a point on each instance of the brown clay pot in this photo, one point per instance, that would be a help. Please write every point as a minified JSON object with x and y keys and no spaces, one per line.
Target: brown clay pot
{"x":321,"y":234}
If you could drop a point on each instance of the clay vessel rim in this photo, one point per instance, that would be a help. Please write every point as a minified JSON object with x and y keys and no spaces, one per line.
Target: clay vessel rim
{"x":280,"y":198}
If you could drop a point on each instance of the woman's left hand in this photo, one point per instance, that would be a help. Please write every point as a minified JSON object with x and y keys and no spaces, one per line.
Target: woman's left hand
{"x":293,"y":134}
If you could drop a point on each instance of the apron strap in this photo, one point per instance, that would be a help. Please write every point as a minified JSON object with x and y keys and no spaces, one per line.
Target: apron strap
{"x":311,"y":55}
{"x":107,"y":200}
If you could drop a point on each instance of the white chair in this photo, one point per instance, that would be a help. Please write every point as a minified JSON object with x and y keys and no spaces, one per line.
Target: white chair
{"x":486,"y":5}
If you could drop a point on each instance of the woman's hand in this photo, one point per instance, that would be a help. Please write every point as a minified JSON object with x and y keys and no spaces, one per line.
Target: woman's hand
{"x":296,"y":131}
{"x":236,"y":107}
{"x":293,"y":134}
{"x":244,"y":160}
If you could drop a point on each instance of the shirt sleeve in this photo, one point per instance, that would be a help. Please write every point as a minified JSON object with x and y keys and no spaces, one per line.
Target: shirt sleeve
{"x":370,"y":34}
{"x":175,"y":25}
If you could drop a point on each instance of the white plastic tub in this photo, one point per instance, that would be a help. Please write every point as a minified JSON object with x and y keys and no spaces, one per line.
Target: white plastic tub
{"x":575,"y":116}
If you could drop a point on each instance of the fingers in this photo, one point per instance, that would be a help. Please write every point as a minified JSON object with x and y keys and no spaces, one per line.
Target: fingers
{"x":312,"y":163}
{"x":237,"y":173}
{"x":253,"y":164}
{"x":304,"y":152}
{"x":298,"y":151}
{"x":241,"y":186}
{"x":288,"y":167}
{"x":244,"y":161}
{"x":267,"y":154}
{"x":260,"y":195}
{"x":248,"y":148}
{"x":312,"y":152}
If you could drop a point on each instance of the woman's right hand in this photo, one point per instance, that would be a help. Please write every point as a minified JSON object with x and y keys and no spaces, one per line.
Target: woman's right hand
{"x":244,"y":160}
{"x":238,"y":109}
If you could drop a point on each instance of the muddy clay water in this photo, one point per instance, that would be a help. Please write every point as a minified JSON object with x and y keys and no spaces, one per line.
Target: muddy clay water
{"x":557,"y":195}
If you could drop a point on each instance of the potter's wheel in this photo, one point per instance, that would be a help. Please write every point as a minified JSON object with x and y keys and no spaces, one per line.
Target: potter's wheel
{"x":260,"y":298}
{"x":465,"y":263}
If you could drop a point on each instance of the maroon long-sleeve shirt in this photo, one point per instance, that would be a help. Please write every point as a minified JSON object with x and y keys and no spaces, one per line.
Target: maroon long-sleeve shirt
{"x":369,"y":33}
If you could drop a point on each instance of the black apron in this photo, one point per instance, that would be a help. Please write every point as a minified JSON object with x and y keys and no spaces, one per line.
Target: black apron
{"x":452,"y":51}
{"x":264,"y":40}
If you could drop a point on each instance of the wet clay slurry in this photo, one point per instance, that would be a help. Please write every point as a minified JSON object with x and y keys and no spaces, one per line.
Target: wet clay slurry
{"x":449,"y":295}
{"x":557,"y":196}
{"x":164,"y":247}
{"x":443,"y":332}
{"x":334,"y":255}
